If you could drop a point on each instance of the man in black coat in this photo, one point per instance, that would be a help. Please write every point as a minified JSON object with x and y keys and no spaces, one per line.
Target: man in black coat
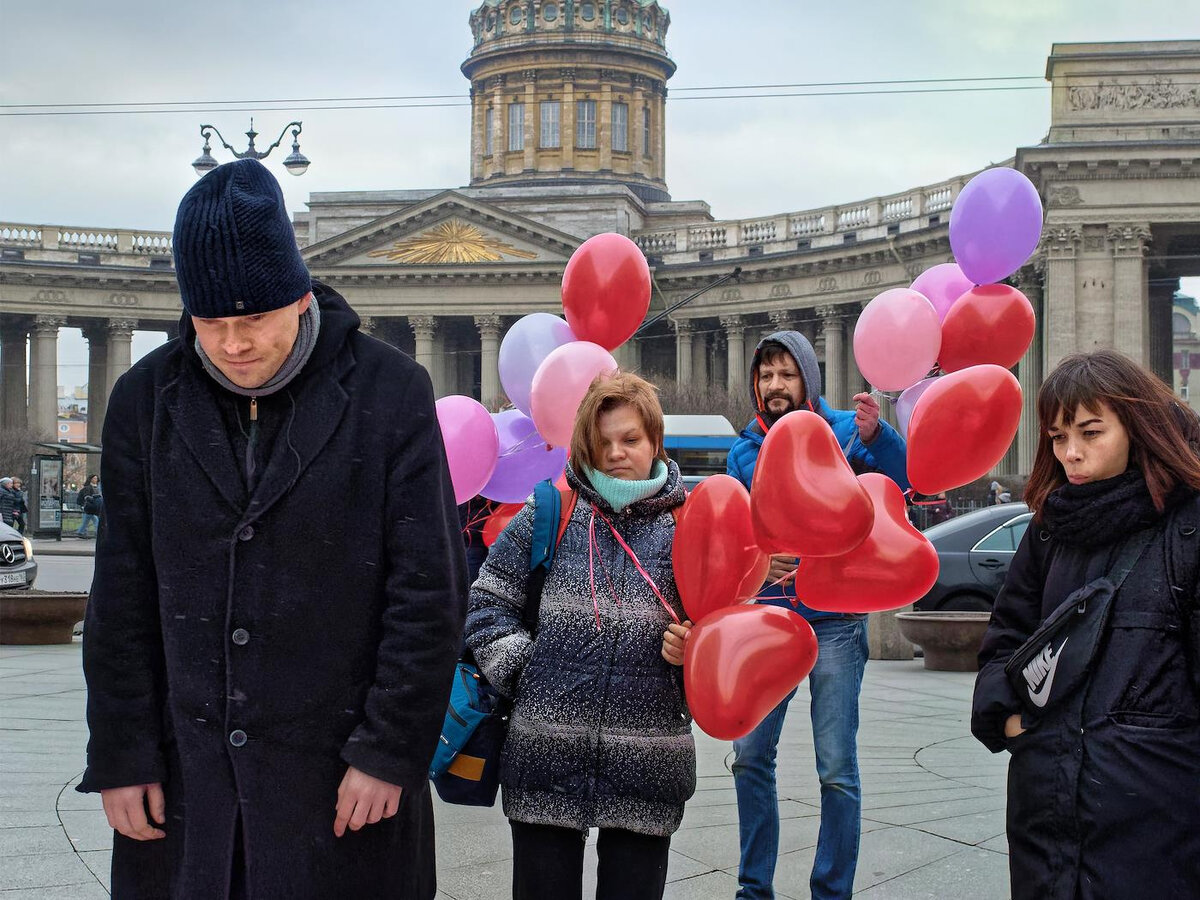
{"x":268,"y":671}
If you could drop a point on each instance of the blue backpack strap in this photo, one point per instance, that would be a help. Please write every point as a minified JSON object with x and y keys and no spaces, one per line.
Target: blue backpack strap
{"x":547,"y":504}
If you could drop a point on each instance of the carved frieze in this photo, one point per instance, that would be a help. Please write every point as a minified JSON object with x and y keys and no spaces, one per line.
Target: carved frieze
{"x":872,"y":278}
{"x":453,"y":241}
{"x":827,"y":284}
{"x":123,"y":300}
{"x":779,"y":291}
{"x":1065,"y":195}
{"x":1160,"y":92}
{"x":46,"y":295}
{"x":731,"y":294}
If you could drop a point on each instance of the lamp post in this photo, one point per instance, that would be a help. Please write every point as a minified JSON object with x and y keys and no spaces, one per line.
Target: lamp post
{"x":296,"y":163}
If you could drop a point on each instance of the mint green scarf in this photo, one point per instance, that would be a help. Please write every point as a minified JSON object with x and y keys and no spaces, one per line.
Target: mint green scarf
{"x":619,"y":493}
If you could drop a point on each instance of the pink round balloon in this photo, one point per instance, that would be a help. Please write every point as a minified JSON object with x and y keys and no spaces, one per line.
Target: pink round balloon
{"x":560,"y":384}
{"x":896,"y":339}
{"x":907,"y":400}
{"x":942,"y":285}
{"x":472,"y":444}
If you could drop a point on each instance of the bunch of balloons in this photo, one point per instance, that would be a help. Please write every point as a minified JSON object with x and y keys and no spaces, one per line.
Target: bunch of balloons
{"x":546,"y":366}
{"x":955,"y":321}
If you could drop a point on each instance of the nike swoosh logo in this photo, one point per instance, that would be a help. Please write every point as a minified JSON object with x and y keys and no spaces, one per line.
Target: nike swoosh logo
{"x":1041,"y":695}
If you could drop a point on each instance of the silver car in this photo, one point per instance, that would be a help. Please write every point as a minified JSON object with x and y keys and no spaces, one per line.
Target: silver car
{"x":17,"y":566}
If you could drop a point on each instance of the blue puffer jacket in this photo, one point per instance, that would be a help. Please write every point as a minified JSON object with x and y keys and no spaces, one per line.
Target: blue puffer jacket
{"x":886,"y":453}
{"x":600,"y":734}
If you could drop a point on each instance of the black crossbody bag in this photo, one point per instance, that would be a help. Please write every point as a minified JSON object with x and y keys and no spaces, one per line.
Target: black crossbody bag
{"x":1055,"y":660}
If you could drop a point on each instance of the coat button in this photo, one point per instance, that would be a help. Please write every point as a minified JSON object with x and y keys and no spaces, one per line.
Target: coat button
{"x":241,"y":637}
{"x":237,"y":738}
{"x":246,"y":533}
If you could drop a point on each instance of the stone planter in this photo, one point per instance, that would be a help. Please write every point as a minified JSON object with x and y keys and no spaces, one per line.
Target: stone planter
{"x":39,"y":617}
{"x":950,"y":639}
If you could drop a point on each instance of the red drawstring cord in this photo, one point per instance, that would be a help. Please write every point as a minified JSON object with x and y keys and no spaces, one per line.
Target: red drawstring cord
{"x":593,"y":548}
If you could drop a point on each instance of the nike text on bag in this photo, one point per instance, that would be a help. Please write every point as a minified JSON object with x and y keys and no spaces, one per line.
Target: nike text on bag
{"x":1056,"y":659}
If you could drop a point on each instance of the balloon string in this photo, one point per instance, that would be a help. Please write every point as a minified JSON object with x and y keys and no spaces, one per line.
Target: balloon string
{"x":525,"y":442}
{"x":637,"y":563}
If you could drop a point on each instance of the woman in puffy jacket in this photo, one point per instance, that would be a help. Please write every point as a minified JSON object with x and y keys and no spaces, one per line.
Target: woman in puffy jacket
{"x":1104,"y":778}
{"x":600,"y":734}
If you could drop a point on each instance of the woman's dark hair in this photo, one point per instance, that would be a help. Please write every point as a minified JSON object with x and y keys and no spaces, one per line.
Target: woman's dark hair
{"x":1164,"y":434}
{"x":91,"y":475}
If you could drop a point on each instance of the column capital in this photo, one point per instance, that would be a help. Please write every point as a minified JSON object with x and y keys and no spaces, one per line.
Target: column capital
{"x":1060,"y":241}
{"x":489,"y":325}
{"x":782,"y":319}
{"x":47,"y":324}
{"x":733,"y":323}
{"x":829,"y":313}
{"x":121,"y":327}
{"x":423,"y":326}
{"x":1128,"y":239}
{"x":366,"y":324}
{"x":683,"y":327}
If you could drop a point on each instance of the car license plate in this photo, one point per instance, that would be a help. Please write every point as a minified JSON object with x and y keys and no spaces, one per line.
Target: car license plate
{"x":7,"y":578}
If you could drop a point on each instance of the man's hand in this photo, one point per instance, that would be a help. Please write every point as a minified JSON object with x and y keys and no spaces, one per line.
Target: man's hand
{"x":363,"y":800}
{"x":1012,"y":726}
{"x":126,"y":810}
{"x":674,"y":640}
{"x":866,"y":417}
{"x":783,"y":568}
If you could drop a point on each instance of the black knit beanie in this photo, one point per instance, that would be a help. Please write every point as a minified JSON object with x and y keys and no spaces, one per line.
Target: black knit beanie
{"x":235,"y":251}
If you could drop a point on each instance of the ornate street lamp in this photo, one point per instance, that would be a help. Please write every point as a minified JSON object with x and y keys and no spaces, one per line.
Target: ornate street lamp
{"x":297,"y":163}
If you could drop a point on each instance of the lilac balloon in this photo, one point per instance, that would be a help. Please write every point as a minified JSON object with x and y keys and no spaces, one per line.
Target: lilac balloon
{"x":524,"y":459}
{"x":995,"y":224}
{"x":472,"y":444}
{"x":942,"y":285}
{"x":530,"y":340}
{"x":907,"y":400}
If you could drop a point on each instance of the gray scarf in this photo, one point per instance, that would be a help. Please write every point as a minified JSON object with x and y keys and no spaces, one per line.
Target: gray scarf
{"x":306,"y":340}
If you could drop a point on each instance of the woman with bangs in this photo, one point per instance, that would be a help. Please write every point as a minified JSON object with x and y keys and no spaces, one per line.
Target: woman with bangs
{"x":1104,"y":774}
{"x":600,"y":733}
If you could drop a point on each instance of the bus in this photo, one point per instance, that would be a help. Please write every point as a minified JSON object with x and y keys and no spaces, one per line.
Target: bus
{"x":698,"y":444}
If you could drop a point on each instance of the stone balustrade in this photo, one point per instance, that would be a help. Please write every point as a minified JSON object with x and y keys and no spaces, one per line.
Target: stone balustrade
{"x":48,"y":243}
{"x":868,"y":219}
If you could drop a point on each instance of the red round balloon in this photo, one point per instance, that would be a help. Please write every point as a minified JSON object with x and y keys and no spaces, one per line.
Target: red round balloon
{"x":961,"y":427}
{"x":740,"y":662}
{"x":989,"y":324}
{"x":498,"y":521}
{"x":716,"y":558}
{"x":606,"y":290}
{"x":895,"y":566}
{"x":805,"y":500}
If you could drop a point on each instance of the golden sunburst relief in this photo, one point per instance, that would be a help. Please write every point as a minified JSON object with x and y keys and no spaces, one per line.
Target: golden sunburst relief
{"x":454,"y":241}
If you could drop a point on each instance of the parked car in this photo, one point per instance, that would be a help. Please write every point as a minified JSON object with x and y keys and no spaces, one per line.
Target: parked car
{"x":974,"y":551}
{"x":699,"y":444}
{"x":17,"y":566}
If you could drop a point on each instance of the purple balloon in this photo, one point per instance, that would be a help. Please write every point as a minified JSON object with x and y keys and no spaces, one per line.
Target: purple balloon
{"x":908,"y":400}
{"x":995,"y":224}
{"x":942,"y":285}
{"x":530,"y":340}
{"x":523,"y":461}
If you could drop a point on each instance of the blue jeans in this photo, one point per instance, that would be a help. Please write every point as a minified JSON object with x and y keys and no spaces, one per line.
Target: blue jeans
{"x":835,"y":683}
{"x":83,"y":526}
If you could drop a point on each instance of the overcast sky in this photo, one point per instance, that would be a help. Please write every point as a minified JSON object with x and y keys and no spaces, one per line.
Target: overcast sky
{"x":746,"y":157}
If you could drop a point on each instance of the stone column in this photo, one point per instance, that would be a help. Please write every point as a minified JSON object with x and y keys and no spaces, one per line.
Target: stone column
{"x":835,"y":364}
{"x":1131,"y":302}
{"x":636,"y":131}
{"x":489,"y":371}
{"x":1060,"y":244}
{"x":735,"y":334}
{"x":604,"y":121}
{"x":700,"y":359}
{"x":532,"y":125}
{"x":96,"y":335}
{"x":1162,"y":299}
{"x":1029,"y":372}
{"x":478,"y":129}
{"x":14,"y":397}
{"x":423,"y":329}
{"x":499,"y":126}
{"x":629,"y":355}
{"x":567,"y":119}
{"x":120,"y":349}
{"x":683,"y":351}
{"x":720,"y":366}
{"x":43,"y":376}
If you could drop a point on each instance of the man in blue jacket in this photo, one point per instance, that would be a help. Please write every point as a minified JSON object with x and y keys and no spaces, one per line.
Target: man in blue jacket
{"x":784,"y":377}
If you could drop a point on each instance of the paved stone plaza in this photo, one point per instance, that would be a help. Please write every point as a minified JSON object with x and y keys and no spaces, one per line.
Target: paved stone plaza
{"x":933,"y":823}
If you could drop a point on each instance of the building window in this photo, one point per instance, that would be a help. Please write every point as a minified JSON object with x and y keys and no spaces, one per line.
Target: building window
{"x":620,"y":127}
{"x":549,"y":12}
{"x":587,"y":12}
{"x":488,"y":125}
{"x":585,"y":124}
{"x":549,"y":136}
{"x":514,"y":15}
{"x":645,"y":131}
{"x":516,"y":126}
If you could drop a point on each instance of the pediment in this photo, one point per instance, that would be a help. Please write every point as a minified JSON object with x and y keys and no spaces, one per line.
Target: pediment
{"x":449,"y":229}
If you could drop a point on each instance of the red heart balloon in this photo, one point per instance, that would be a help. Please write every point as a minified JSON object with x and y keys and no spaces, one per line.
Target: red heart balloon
{"x":740,"y":662}
{"x":716,"y":558}
{"x":895,"y":566}
{"x":805,"y":500}
{"x":498,"y":521}
{"x":606,"y":290}
{"x":991,"y":323}
{"x":961,"y":427}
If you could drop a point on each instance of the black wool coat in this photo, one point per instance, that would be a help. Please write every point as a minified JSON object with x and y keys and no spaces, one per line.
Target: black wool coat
{"x":246,"y":646}
{"x":1104,"y":790}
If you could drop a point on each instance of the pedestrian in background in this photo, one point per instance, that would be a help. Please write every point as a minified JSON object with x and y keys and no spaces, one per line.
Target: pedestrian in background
{"x":8,"y":500}
{"x":91,"y":504}
{"x":1105,"y":746}
{"x":600,"y":733}
{"x":20,"y":506}
{"x":266,"y":686}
